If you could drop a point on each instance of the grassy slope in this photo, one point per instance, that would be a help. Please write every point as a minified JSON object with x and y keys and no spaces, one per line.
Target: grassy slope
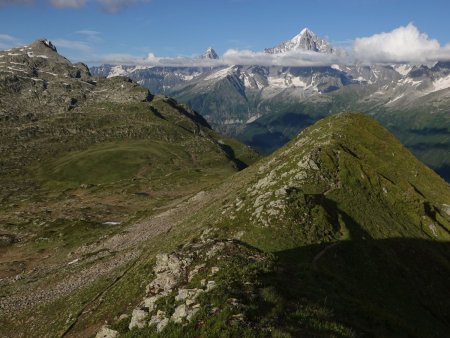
{"x":355,"y":233}
{"x":112,"y":151}
{"x":369,"y":196}
{"x":101,"y":162}
{"x":356,"y":242}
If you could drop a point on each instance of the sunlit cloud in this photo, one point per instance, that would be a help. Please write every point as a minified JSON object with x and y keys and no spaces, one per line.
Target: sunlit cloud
{"x":404,"y":44}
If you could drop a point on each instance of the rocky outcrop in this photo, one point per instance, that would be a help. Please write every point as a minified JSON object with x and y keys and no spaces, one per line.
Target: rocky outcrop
{"x":138,"y":319}
{"x":38,"y":80}
{"x":182,"y":281}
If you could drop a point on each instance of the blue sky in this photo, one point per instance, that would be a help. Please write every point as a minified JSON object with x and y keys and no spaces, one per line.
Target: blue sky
{"x":86,"y":30}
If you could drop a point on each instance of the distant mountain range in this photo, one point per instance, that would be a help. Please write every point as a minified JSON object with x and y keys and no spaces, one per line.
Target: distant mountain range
{"x":265,"y":106}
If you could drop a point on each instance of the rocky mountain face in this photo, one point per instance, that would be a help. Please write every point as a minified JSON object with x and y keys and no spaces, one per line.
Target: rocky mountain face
{"x":267,"y":106}
{"x":157,"y":79}
{"x":210,"y":54}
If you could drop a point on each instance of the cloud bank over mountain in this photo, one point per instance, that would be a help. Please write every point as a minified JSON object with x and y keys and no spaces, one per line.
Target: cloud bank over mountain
{"x":405,"y":44}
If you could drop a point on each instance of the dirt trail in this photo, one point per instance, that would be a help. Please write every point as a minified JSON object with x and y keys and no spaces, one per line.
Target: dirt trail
{"x":102,"y":258}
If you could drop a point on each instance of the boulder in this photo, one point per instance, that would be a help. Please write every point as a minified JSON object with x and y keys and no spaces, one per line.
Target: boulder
{"x":210,"y":285}
{"x":149,"y":302}
{"x":106,"y":332}
{"x":180,"y":313}
{"x":169,"y":270}
{"x":138,"y":319}
{"x":162,"y":324}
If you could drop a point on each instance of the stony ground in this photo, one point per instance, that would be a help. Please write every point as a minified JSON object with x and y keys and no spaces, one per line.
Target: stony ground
{"x":89,"y":263}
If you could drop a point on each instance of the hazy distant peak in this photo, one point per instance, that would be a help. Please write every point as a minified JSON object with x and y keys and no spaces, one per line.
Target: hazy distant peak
{"x":210,"y":53}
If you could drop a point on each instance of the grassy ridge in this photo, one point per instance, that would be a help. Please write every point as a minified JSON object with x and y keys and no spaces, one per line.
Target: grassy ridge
{"x":355,"y":223}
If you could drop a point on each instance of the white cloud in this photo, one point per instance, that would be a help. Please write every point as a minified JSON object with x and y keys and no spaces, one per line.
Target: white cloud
{"x":80,"y":46}
{"x":88,"y":32}
{"x":298,"y":58}
{"x":114,"y":6}
{"x":404,"y":44}
{"x":231,"y":57}
{"x":68,"y":3}
{"x":151,"y":60}
{"x":7,"y":37}
{"x":8,"y":41}
{"x":90,"y":35}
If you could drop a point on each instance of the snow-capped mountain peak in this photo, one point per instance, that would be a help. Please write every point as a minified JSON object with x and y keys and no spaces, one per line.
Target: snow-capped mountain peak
{"x":305,"y":40}
{"x":210,"y":53}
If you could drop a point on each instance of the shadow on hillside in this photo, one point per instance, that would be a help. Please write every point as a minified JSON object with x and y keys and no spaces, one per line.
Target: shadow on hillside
{"x":444,"y":172}
{"x":240,"y":165}
{"x":381,"y":288}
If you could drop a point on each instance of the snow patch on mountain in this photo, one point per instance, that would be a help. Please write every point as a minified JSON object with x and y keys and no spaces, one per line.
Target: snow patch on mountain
{"x":442,"y":83}
{"x":220,"y":74}
{"x":402,"y":69}
{"x":117,"y":71}
{"x":409,"y":81}
{"x":396,"y":99}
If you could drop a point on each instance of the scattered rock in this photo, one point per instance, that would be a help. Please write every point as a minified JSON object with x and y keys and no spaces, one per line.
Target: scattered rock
{"x":216,"y":248}
{"x":149,"y":302}
{"x":446,"y":208}
{"x":7,"y":239}
{"x":138,"y":319}
{"x":169,"y":271}
{"x":184,"y":294}
{"x":106,"y":332}
{"x":123,"y":316}
{"x":180,"y":313}
{"x":192,"y":313}
{"x":239,"y":235}
{"x":160,"y":320}
{"x":210,"y":285}
{"x":162,"y":324}
{"x":195,"y":271}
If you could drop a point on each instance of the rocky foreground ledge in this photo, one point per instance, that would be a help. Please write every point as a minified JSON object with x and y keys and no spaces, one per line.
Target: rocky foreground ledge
{"x":187,"y":285}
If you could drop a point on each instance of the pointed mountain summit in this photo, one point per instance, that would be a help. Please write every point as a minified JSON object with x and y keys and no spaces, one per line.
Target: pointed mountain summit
{"x":43,"y":44}
{"x":305,"y":40}
{"x":210,"y":54}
